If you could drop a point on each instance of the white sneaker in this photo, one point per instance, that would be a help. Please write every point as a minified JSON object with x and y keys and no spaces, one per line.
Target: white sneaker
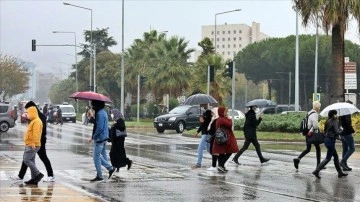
{"x":50,"y":179}
{"x":16,"y":178}
{"x":211,"y":169}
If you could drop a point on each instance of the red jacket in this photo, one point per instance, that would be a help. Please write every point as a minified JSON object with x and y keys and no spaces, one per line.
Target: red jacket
{"x":231,"y":145}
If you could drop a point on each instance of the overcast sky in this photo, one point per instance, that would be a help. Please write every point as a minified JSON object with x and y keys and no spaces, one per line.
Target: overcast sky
{"x":23,"y":20}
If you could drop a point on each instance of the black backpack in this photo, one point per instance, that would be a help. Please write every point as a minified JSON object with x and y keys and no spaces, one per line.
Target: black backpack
{"x":304,"y":125}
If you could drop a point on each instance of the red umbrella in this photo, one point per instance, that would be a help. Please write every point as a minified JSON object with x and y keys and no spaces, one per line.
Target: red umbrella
{"x":89,"y":95}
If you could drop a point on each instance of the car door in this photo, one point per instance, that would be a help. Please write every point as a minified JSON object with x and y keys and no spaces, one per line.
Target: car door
{"x":192,"y":118}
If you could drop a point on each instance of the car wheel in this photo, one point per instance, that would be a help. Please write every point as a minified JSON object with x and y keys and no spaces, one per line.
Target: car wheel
{"x":180,"y":127}
{"x":4,"y":126}
{"x":160,"y":130}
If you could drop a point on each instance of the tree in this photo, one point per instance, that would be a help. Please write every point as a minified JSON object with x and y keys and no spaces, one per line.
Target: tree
{"x":61,"y":91}
{"x":14,"y":78}
{"x":207,"y":47}
{"x":101,"y":38}
{"x":334,"y":15}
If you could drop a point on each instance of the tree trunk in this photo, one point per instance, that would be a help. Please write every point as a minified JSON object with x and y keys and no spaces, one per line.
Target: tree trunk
{"x":337,"y":86}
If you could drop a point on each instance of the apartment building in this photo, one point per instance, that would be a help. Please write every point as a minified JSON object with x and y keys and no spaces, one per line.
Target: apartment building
{"x":231,"y":38}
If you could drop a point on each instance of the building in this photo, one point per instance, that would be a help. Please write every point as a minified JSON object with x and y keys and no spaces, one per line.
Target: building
{"x":231,"y":38}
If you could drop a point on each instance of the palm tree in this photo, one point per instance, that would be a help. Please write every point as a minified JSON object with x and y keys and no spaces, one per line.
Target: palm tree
{"x":334,"y":15}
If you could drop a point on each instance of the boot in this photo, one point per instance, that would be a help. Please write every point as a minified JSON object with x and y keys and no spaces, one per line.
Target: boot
{"x":296,"y":163}
{"x":236,"y":158}
{"x":338,"y":169}
{"x":320,"y":167}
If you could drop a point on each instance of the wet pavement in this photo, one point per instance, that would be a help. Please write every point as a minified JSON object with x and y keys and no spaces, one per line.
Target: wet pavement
{"x":162,"y":171}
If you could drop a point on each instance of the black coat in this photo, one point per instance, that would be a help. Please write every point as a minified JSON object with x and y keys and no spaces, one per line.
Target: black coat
{"x":332,"y":128}
{"x":117,"y":152}
{"x":250,"y":124}
{"x":345,"y":122}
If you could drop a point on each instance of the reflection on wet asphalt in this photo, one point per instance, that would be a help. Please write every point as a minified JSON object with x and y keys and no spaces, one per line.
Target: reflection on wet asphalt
{"x":162,"y":169}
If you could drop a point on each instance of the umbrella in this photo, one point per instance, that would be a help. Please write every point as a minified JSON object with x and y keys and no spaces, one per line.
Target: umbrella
{"x":89,"y":95}
{"x":199,"y":99}
{"x":260,"y":103}
{"x":343,"y":108}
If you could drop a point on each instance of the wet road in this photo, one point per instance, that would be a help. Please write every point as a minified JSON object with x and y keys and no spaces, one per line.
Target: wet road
{"x":162,"y":171}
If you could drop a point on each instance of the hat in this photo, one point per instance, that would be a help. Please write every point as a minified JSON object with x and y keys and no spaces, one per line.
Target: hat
{"x":30,"y":104}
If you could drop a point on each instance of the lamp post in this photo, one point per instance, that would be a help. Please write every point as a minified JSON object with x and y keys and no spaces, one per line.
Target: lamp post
{"x":91,"y":41}
{"x":122,"y":61}
{"x":216,"y":14}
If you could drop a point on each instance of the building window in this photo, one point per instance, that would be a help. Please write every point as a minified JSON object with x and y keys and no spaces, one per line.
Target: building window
{"x":234,"y":52}
{"x":234,"y":38}
{"x":217,"y":39}
{"x":229,"y":39}
{"x":217,"y":32}
{"x":234,"y":45}
{"x":212,"y":32}
{"x":229,"y":32}
{"x":217,"y":46}
{"x":240,"y":45}
{"x":223,"y":32}
{"x":240,"y":31}
{"x":223,"y":53}
{"x":223,"y":46}
{"x":239,"y":38}
{"x":234,"y":31}
{"x":228,"y":52}
{"x":223,"y":39}
{"x":212,"y":39}
{"x":228,"y":45}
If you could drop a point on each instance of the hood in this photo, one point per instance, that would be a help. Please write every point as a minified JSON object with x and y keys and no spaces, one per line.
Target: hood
{"x":32,"y":113}
{"x":221,"y":111}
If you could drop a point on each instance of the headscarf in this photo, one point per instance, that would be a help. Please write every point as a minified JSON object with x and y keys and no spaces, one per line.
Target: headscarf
{"x":221,"y":111}
{"x":215,"y":111}
{"x":116,"y":114}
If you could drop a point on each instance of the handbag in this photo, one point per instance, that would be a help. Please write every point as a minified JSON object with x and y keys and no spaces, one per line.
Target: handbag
{"x":209,"y":138}
{"x":316,"y":138}
{"x":120,"y":133}
{"x":220,"y":136}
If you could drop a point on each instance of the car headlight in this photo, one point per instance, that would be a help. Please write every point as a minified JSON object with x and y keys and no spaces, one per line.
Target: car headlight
{"x":172,"y":119}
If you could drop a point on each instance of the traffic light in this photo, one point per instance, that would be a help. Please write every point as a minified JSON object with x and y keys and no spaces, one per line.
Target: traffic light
{"x":33,"y":45}
{"x":143,"y":79}
{"x":319,"y":89}
{"x":212,"y":73}
{"x":229,"y":69}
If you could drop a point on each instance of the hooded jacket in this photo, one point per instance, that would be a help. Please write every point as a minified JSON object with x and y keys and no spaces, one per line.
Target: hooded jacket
{"x":250,"y":124}
{"x":33,"y":132}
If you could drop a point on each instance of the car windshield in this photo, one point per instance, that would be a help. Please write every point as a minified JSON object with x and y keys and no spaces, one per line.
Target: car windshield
{"x":179,"y":110}
{"x":230,"y":113}
{"x":67,"y":109}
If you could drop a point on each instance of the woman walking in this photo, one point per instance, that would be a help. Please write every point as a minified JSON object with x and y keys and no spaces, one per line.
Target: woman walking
{"x":117,"y":137}
{"x":211,"y":131}
{"x":332,"y":132}
{"x":225,"y":150}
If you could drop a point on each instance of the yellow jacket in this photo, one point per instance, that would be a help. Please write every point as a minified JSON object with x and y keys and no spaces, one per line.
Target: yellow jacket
{"x":33,"y":132}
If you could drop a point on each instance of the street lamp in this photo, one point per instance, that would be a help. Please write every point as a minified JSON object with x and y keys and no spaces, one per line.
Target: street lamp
{"x":216,"y":14}
{"x":122,"y":61}
{"x":91,"y":41}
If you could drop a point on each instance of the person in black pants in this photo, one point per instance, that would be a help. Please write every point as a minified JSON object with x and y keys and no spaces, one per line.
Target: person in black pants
{"x":250,"y":135}
{"x":41,"y":153}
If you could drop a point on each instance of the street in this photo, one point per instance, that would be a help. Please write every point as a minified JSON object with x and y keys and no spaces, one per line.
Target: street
{"x":162,"y":171}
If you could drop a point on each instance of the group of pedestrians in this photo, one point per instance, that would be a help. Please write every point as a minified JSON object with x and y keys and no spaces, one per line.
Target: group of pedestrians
{"x":218,"y":118}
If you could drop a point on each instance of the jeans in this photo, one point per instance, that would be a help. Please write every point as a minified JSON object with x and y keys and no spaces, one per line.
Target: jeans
{"x":29,"y":160}
{"x":100,"y":158}
{"x":348,"y":147}
{"x":202,"y":145}
{"x":331,"y":150}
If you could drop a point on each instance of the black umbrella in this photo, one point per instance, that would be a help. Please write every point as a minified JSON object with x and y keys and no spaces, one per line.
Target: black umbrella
{"x":260,"y":103}
{"x":199,"y":99}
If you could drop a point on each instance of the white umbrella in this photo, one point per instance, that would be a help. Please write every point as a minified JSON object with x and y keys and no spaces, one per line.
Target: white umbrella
{"x":343,"y":108}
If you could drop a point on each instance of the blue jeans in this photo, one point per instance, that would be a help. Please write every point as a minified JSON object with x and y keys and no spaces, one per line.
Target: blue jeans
{"x":100,"y":158}
{"x":331,"y":150}
{"x":348,"y":147}
{"x":202,"y":145}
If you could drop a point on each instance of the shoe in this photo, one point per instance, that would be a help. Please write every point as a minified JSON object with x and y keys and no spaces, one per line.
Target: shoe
{"x":296,"y":163}
{"x":31,"y":182}
{"x":316,"y":173}
{"x":264,"y":160}
{"x":117,"y":170}
{"x":111,"y":172}
{"x":49,"y":179}
{"x":96,"y":179}
{"x":16,"y":178}
{"x":129,"y":164}
{"x":38,"y":177}
{"x":196,"y":166}
{"x":221,"y":169}
{"x":340,"y":175}
{"x":345,"y":167}
{"x":236,"y":161}
{"x":211,"y":169}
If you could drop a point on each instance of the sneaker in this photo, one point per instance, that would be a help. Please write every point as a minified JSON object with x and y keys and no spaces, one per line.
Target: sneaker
{"x":221,"y":169}
{"x":117,"y":170}
{"x":16,"y":178}
{"x":236,"y":161}
{"x":129,"y":164}
{"x":111,"y":172}
{"x":264,"y":160}
{"x":49,"y":179}
{"x":296,"y":163}
{"x":38,"y":178}
{"x":96,"y":179}
{"x":31,"y":182}
{"x":196,"y":166}
{"x":211,"y":169}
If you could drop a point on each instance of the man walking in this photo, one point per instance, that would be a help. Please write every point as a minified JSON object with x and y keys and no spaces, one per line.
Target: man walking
{"x":41,"y":153}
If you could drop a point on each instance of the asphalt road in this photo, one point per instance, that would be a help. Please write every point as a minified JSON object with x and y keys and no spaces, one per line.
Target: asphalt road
{"x":162,"y":171}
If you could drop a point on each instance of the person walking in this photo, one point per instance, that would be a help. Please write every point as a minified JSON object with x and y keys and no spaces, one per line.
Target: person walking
{"x":313,"y":126}
{"x":332,"y":132}
{"x":225,"y":150}
{"x":117,"y":154}
{"x":347,"y":139}
{"x":205,"y":119}
{"x":45,"y":110}
{"x":100,"y":136}
{"x":59,"y":116}
{"x":32,"y":141}
{"x":211,"y":131}
{"x":41,"y":153}
{"x":250,"y":135}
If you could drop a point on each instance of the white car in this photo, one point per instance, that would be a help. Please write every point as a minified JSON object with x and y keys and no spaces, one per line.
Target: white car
{"x":237,"y":114}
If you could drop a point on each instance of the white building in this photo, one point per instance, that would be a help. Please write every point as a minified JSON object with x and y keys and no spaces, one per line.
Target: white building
{"x":231,"y":38}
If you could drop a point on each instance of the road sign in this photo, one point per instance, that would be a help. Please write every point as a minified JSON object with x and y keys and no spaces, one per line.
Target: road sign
{"x":316,"y":97}
{"x":350,"y":75}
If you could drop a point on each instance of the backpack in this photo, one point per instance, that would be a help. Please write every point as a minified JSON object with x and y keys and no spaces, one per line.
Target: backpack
{"x":304,"y":125}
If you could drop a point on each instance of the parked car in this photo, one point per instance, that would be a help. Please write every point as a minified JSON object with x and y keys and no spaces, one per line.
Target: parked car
{"x":7,"y":116}
{"x":68,"y":112}
{"x":278,"y":109}
{"x":180,"y":118}
{"x":237,"y":114}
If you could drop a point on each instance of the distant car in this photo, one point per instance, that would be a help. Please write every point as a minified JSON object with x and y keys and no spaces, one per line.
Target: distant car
{"x":180,"y":118}
{"x":68,"y":112}
{"x":237,"y":114}
{"x":291,"y":112}
{"x":278,"y":109}
{"x":7,"y":116}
